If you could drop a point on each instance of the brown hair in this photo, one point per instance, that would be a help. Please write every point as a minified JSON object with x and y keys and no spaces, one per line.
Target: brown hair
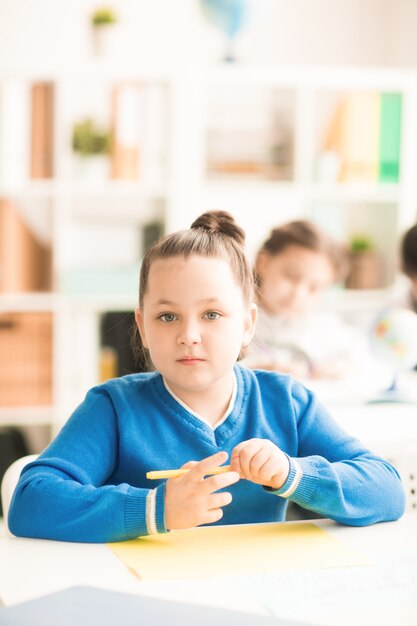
{"x":306,"y":235}
{"x":409,"y":252}
{"x":213,"y":234}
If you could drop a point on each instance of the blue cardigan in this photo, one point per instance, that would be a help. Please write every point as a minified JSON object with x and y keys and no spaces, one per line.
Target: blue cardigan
{"x":89,"y":485}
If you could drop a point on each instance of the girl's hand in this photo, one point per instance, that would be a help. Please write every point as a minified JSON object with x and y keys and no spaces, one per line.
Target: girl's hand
{"x":262,"y":462}
{"x":190,"y":500}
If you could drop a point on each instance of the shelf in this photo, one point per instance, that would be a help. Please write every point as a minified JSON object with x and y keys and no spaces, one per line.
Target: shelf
{"x":114,"y":69}
{"x":236,"y":117}
{"x":109,"y":211}
{"x":116,"y":189}
{"x":354,"y":192}
{"x":29,"y":301}
{"x":66,"y":188}
{"x":101,"y":304}
{"x":27,"y":416}
{"x":338,"y":192}
{"x":32,"y":189}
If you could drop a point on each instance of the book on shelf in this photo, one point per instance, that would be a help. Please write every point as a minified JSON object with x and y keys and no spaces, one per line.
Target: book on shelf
{"x":25,"y":261}
{"x":154,"y":143}
{"x":365,"y":133}
{"x":354,"y":135}
{"x":126,"y":130}
{"x":42,"y":137}
{"x":390,"y":137}
{"x":26,"y":359}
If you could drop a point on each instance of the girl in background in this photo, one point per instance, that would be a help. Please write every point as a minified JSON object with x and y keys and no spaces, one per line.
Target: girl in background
{"x":199,"y":408}
{"x":293,"y":268}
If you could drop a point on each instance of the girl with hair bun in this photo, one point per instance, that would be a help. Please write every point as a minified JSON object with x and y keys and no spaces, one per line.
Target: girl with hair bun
{"x":199,"y":408}
{"x":293,"y":268}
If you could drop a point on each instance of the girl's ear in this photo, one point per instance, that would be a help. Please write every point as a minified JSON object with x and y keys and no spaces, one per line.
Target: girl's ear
{"x":250,"y":324}
{"x":140,"y":325}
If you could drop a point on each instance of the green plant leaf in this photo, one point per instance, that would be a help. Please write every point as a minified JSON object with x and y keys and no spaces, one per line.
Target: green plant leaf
{"x":89,"y":140}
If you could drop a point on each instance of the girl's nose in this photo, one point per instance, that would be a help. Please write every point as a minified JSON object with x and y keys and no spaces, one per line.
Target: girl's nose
{"x":300,"y":291}
{"x":189,"y":334}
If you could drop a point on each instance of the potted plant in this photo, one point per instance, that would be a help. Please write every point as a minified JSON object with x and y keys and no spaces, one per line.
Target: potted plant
{"x":103,"y":20}
{"x":92,"y":144}
{"x":365,"y":270}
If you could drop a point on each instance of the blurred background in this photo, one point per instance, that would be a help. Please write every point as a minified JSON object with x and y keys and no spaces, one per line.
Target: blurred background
{"x":121,"y":122}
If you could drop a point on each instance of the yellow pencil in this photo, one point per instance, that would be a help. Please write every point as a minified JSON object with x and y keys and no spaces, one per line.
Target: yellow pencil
{"x":175,"y":473}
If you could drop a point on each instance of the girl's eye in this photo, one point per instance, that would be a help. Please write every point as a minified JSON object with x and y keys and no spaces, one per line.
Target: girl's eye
{"x":167,"y":317}
{"x":212,"y":315}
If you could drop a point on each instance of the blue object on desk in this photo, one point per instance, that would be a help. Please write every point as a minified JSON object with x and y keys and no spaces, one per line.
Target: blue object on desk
{"x":89,"y":606}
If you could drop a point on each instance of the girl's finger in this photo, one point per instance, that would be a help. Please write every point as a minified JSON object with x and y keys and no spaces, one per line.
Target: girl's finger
{"x":189,"y":465}
{"x":258,"y":460}
{"x":235,"y":464}
{"x":268,"y":470}
{"x":214,"y":483}
{"x":202,"y":468}
{"x":212,"y":516}
{"x":243,"y":444}
{"x":246,"y":455}
{"x":240,"y":452}
{"x":218,"y":500}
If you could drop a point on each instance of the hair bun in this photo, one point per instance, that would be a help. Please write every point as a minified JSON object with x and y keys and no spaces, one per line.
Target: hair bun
{"x":222,"y":223}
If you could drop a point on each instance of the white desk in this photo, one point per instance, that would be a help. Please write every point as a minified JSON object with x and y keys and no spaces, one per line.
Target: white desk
{"x":387,"y":428}
{"x":383,"y":593}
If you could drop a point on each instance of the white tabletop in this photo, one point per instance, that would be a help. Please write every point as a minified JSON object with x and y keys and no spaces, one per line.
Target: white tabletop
{"x":387,"y":428}
{"x":383,"y":592}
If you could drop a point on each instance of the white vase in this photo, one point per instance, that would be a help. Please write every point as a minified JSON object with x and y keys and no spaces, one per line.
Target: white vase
{"x":103,"y":40}
{"x":92,"y":168}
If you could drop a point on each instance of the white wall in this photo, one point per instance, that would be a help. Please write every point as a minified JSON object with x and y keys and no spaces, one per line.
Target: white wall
{"x":401,"y":20}
{"x":44,"y":33}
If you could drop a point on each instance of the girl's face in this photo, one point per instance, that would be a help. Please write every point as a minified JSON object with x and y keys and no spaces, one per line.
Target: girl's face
{"x":292,"y":280}
{"x":194,"y":322}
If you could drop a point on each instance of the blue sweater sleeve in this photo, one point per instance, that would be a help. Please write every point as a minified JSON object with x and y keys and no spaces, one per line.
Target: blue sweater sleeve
{"x":63,"y":496}
{"x":334,"y":474}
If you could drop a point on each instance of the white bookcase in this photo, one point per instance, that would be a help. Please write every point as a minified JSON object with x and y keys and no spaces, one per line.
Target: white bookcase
{"x":206,"y":140}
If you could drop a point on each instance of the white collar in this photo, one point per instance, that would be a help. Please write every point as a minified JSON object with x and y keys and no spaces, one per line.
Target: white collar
{"x":222,"y":419}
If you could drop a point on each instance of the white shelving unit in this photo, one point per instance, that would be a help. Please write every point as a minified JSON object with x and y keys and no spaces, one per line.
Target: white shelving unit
{"x":102,"y":219}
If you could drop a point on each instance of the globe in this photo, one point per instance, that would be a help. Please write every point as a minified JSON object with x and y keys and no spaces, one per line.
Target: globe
{"x":394,"y":342}
{"x":394,"y":338}
{"x":229,"y":16}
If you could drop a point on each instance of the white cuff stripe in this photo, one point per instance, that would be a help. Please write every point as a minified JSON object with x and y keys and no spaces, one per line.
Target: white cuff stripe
{"x":295,"y":482}
{"x":151,"y":512}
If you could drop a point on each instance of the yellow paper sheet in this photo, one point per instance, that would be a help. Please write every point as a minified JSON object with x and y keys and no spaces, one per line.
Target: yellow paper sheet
{"x":234,"y":550}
